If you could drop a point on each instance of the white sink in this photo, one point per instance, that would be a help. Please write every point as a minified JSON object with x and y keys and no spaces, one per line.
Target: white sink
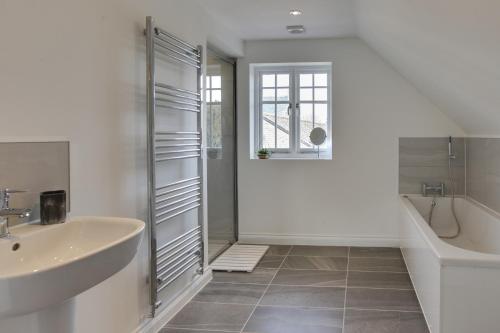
{"x":55,"y":263}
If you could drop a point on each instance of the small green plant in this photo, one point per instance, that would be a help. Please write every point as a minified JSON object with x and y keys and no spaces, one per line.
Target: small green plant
{"x":263,"y":153}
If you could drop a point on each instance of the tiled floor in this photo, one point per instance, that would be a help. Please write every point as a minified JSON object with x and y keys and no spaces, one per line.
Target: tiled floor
{"x":306,"y":289}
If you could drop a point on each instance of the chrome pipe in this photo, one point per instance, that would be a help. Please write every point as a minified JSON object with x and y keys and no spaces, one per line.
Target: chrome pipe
{"x":190,"y":240}
{"x":176,"y":276}
{"x":165,"y":265}
{"x":177,"y":151}
{"x":184,"y":91}
{"x":177,"y":195}
{"x":178,"y":139}
{"x":177,"y":214}
{"x":195,"y":230}
{"x":190,"y":51}
{"x":171,"y":132}
{"x":151,"y":106}
{"x":178,"y":145}
{"x":166,"y":212}
{"x":165,"y":33}
{"x":170,"y":272}
{"x":176,"y":158}
{"x":175,"y":189}
{"x":166,"y":93}
{"x":166,"y":100}
{"x":159,"y":208}
{"x":178,"y":182}
{"x":176,"y":108}
{"x":195,"y":65}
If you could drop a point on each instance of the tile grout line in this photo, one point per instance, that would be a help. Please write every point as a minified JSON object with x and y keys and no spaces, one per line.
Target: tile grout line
{"x":345,"y":293}
{"x":314,"y":307}
{"x":265,"y":291}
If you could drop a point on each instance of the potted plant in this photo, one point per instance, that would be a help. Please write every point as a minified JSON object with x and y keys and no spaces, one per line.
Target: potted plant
{"x":263,"y":154}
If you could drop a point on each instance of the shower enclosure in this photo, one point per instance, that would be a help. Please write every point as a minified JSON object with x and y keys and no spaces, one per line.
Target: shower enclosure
{"x":221,"y":153}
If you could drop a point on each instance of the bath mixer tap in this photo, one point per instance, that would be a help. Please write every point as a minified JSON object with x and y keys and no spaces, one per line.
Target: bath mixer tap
{"x":6,"y":211}
{"x":433,"y":189}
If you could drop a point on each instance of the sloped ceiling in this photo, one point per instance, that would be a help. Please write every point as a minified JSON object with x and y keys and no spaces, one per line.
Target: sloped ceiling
{"x":267,"y":19}
{"x":450,"y":50}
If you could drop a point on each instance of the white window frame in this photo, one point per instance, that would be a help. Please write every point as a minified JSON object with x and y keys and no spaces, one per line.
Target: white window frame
{"x":294,"y":69}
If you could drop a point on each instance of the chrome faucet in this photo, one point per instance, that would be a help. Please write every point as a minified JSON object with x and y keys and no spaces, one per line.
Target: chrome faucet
{"x":433,"y":189}
{"x":6,"y":212}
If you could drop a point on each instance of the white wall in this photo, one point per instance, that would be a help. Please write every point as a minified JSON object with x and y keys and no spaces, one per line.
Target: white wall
{"x":450,"y":49}
{"x":76,"y":69}
{"x":353,"y":198}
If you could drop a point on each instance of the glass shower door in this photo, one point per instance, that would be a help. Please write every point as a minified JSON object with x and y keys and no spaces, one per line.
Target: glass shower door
{"x":221,"y":153}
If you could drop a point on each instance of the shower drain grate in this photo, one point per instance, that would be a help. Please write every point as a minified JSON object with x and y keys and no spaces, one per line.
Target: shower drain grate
{"x":239,"y":258}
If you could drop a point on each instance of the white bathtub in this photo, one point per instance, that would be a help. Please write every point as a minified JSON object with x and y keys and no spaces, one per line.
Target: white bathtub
{"x":457,"y":281}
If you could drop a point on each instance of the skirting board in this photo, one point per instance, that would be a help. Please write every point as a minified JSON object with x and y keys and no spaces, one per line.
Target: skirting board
{"x":325,"y":240}
{"x":162,"y":318}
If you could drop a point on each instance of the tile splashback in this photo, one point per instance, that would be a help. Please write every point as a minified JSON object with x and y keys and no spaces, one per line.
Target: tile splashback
{"x":35,"y":167}
{"x":426,"y":160}
{"x":483,"y":171}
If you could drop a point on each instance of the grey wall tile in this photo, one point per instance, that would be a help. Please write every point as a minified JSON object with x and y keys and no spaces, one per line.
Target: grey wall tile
{"x":36,"y":167}
{"x":426,"y":160}
{"x":483,"y":171}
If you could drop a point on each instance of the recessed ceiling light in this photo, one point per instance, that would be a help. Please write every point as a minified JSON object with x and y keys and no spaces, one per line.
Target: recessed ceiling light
{"x":295,"y":12}
{"x":295,"y":29}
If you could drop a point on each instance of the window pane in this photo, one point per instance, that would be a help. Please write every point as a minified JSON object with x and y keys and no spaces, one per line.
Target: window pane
{"x":283,"y":80}
{"x":306,"y":80}
{"x":208,"y":82}
{"x":306,"y":94}
{"x":268,"y":80}
{"x":306,"y":124}
{"x":216,"y":96}
{"x":209,"y":96}
{"x":283,"y":126}
{"x":320,"y":80}
{"x":216,"y":82}
{"x":283,"y":95}
{"x":268,"y":126}
{"x":320,"y":116}
{"x":320,"y":94}
{"x":268,"y":95}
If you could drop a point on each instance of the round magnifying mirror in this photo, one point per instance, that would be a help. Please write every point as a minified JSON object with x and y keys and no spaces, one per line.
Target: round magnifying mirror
{"x":317,"y":136}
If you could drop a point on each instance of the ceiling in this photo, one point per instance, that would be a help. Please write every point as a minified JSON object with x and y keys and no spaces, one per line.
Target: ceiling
{"x":267,"y":19}
{"x":449,"y":49}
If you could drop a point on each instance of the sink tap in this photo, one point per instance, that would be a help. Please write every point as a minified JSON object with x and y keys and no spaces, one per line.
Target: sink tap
{"x":6,"y":212}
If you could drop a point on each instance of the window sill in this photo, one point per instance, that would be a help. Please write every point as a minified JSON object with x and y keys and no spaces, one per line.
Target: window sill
{"x":300,"y":157}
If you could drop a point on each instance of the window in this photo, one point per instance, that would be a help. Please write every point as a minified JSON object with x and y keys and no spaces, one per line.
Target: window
{"x":289,"y":100}
{"x":214,"y":105}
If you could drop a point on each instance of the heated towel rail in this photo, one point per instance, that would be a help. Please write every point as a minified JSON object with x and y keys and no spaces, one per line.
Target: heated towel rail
{"x":171,"y":260}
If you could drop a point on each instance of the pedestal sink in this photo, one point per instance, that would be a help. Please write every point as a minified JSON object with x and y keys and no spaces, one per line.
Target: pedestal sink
{"x":42,"y":266}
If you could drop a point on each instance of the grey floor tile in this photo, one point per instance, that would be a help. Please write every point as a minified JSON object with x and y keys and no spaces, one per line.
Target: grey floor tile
{"x":183,"y":330}
{"x":231,"y":293}
{"x":319,"y":251}
{"x":375,"y":252}
{"x":384,"y":322}
{"x":212,"y":316}
{"x":326,"y":297}
{"x":382,"y":299}
{"x":271,"y":261}
{"x":267,"y":319}
{"x":377,"y":265}
{"x":305,"y":277}
{"x":324,"y":263}
{"x":258,"y":276}
{"x":379,"y":280}
{"x":278,"y":250}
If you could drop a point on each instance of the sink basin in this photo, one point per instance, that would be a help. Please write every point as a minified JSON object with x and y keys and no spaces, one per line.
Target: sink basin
{"x":41,"y":266}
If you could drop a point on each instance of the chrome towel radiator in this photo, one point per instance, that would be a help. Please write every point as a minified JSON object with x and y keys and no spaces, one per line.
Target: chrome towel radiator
{"x":183,"y":252}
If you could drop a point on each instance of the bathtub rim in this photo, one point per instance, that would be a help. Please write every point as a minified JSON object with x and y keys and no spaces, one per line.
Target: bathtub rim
{"x":447,"y":254}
